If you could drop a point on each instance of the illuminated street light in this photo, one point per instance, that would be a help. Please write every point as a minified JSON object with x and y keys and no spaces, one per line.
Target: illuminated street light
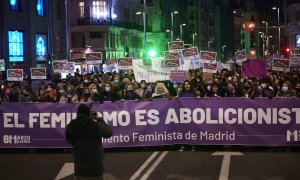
{"x":267,"y":35}
{"x":172,"y":24}
{"x":144,"y":23}
{"x":181,"y":30}
{"x":223,"y":51}
{"x":275,"y":8}
{"x":208,"y":44}
{"x":152,"y":53}
{"x":168,"y":31}
{"x":194,"y":34}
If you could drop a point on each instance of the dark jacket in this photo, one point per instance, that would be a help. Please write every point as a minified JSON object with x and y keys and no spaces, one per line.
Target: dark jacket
{"x":85,"y":135}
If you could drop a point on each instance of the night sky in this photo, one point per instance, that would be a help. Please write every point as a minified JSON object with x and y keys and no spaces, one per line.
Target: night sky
{"x":266,"y":5}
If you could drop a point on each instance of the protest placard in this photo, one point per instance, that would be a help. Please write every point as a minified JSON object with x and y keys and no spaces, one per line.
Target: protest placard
{"x":38,"y":73}
{"x":15,"y":74}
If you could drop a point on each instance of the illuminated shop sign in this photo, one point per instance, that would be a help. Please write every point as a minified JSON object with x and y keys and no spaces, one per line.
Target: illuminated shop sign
{"x":15,"y":43}
{"x":298,"y":40}
{"x":41,"y":47}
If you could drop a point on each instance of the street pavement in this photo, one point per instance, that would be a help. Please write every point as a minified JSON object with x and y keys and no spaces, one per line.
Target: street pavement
{"x":206,"y":163}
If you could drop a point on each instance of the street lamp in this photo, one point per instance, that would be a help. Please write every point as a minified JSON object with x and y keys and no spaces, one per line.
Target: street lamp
{"x":181,"y":30}
{"x":172,"y":23}
{"x":144,"y":23}
{"x":194,"y":34}
{"x":274,"y":8}
{"x":168,"y":31}
{"x":208,"y":44}
{"x":267,"y":35}
{"x":263,"y":43}
{"x":223,"y":50}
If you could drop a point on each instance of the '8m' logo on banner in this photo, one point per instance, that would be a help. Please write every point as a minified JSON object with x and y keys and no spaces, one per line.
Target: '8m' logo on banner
{"x":16,"y":139}
{"x":293,"y":136}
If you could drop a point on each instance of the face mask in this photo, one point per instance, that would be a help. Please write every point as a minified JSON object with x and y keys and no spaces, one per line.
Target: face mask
{"x":263,"y":85}
{"x":107,"y":89}
{"x":208,"y":88}
{"x":85,"y":80}
{"x":116,"y":81}
{"x":94,"y":90}
{"x":61,"y":91}
{"x":284,"y":89}
{"x":179,"y":89}
{"x":242,"y":80}
{"x":175,"y":86}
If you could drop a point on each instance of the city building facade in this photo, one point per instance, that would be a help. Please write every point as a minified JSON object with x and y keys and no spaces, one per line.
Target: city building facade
{"x":116,"y":28}
{"x":32,"y":33}
{"x":292,"y":27}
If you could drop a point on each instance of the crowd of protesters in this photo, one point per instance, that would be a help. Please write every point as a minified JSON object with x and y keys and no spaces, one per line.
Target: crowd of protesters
{"x":100,"y":87}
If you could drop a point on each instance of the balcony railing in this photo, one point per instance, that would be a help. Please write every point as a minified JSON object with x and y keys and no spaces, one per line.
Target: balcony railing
{"x":102,"y":22}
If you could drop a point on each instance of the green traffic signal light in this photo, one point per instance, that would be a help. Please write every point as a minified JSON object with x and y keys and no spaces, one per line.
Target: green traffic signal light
{"x":152,"y":53}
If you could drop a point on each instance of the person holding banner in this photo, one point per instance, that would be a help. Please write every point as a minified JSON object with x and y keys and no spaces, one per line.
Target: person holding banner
{"x":109,"y":93}
{"x":247,"y":90}
{"x":148,"y":92}
{"x":284,"y":91}
{"x":213,"y":91}
{"x":187,"y":90}
{"x":85,"y":134}
{"x":232,"y":90}
{"x":86,"y":96}
{"x":161,"y":91}
{"x":130,"y":93}
{"x":138,"y":89}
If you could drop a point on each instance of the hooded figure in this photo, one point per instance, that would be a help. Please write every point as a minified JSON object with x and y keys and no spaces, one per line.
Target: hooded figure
{"x":85,"y":135}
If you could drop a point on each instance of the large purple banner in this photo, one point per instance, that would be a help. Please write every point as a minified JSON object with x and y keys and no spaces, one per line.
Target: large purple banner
{"x":231,"y":121}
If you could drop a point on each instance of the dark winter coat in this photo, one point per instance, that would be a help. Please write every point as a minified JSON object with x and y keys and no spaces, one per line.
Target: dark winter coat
{"x":85,"y":135}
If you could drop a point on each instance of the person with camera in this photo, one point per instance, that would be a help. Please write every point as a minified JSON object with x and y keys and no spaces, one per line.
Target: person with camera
{"x":85,"y":135}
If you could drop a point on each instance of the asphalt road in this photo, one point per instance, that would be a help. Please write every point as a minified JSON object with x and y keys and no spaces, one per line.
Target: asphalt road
{"x":206,"y":163}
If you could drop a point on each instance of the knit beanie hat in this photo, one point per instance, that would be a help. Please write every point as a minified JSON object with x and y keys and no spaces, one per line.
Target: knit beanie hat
{"x":84,"y":109}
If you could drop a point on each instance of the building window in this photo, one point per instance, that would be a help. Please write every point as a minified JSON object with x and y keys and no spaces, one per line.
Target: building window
{"x":81,"y":9}
{"x":15,"y":5}
{"x":15,"y":43}
{"x":40,"y":7}
{"x":41,"y":47}
{"x":99,"y":10}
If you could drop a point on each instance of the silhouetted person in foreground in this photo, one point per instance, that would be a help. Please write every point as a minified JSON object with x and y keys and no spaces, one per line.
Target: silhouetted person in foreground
{"x":85,"y":135}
